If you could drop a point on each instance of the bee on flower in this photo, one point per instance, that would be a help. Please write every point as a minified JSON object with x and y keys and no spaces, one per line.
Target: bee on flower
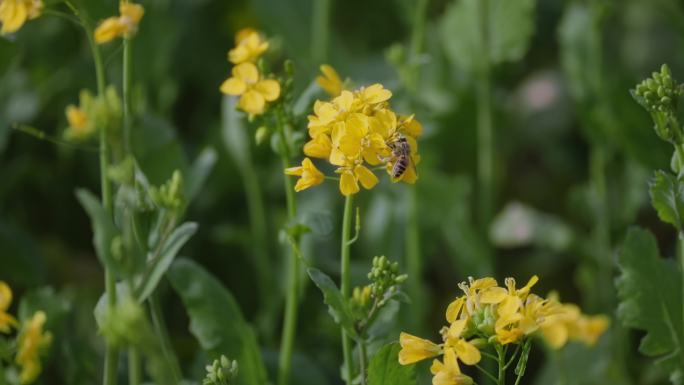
{"x":124,"y":25}
{"x":357,"y":131}
{"x":489,"y":315}
{"x":255,"y":90}
{"x":15,"y":13}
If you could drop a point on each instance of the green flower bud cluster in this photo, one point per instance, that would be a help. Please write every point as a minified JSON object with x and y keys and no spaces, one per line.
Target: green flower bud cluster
{"x":221,"y":371}
{"x":482,"y":322}
{"x":125,"y":324}
{"x":170,"y":194}
{"x":658,"y":95}
{"x":385,"y":278}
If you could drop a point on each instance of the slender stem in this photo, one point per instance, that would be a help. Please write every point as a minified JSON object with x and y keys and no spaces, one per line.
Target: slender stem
{"x":320,"y":31}
{"x":134,"y":370}
{"x":417,"y":42}
{"x":486,"y":373}
{"x":485,"y":144}
{"x":345,"y":282}
{"x":292,"y":299}
{"x":363,"y":358}
{"x":502,"y":363}
{"x":160,"y":329}
{"x":127,"y":82}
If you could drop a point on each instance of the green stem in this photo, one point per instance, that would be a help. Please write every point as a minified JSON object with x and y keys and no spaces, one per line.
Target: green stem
{"x":681,"y":262}
{"x":134,"y":372}
{"x":501,"y":378}
{"x":416,"y":44}
{"x":292,"y":299}
{"x":320,"y":31}
{"x":363,"y":358}
{"x":160,"y":329}
{"x":345,"y":281}
{"x":602,"y":223}
{"x":127,"y":82}
{"x":485,"y":152}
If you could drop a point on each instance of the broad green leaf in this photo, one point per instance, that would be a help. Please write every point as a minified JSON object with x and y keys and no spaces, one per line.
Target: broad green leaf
{"x":510,"y":27}
{"x":384,"y":368}
{"x":216,"y":320}
{"x":667,"y":197}
{"x":104,"y":230}
{"x":234,"y":131}
{"x":650,"y":292}
{"x":337,"y":305}
{"x":158,"y":266}
{"x":199,"y":172}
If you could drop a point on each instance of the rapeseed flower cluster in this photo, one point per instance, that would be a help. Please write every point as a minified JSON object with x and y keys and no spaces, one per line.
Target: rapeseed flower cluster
{"x":490,"y":314}
{"x":124,"y":25}
{"x":14,"y":13}
{"x":254,"y":88}
{"x":31,"y":341}
{"x":357,"y":131}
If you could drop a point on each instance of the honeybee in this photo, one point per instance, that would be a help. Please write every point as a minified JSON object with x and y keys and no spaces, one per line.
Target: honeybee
{"x":401,"y":154}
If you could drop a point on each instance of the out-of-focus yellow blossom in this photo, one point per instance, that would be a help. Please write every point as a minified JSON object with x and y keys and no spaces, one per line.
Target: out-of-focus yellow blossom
{"x":358,"y":129}
{"x":308,"y":175}
{"x":126,"y":24}
{"x":569,"y":324}
{"x":81,"y":118}
{"x":31,"y":341}
{"x":249,"y":45}
{"x":14,"y":13}
{"x":329,"y":80}
{"x":253,"y":91}
{"x":6,"y":319}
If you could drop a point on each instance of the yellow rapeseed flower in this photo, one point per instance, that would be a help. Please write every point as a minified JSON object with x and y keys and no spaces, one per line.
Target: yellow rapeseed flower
{"x":448,"y":373}
{"x":414,"y":349}
{"x":329,"y":80}
{"x":126,"y":24}
{"x":14,"y":13}
{"x":308,"y":173}
{"x":31,"y":341}
{"x":6,"y":319}
{"x":568,"y":323}
{"x":253,"y":91}
{"x":248,"y":46}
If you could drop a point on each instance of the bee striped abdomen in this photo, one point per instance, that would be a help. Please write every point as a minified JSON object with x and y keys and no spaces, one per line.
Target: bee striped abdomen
{"x":399,"y":167}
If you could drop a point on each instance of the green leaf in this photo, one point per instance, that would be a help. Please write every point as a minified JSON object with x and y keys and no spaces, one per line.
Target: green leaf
{"x":650,"y":292}
{"x":234,"y":131}
{"x":667,"y":197}
{"x":199,"y":172}
{"x":510,"y":25}
{"x":104,"y":229}
{"x":337,"y":305}
{"x":216,"y":320}
{"x":384,"y":368}
{"x":159,"y":265}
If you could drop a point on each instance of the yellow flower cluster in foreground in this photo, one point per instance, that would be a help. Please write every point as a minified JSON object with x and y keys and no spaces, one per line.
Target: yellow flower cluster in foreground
{"x":14,"y":13}
{"x":31,"y":340}
{"x":253,"y":88}
{"x":357,"y":131}
{"x":490,"y":314}
{"x":126,"y":24}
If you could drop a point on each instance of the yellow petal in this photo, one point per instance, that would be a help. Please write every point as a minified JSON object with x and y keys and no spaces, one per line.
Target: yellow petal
{"x":269,"y":88}
{"x":5,"y":296}
{"x":344,"y":101}
{"x":467,"y":352}
{"x":456,"y":328}
{"x":233,"y":86}
{"x":311,"y":176}
{"x":296,"y":171}
{"x":454,"y":309}
{"x":243,"y":35}
{"x":511,"y":304}
{"x":330,"y":82}
{"x":13,"y":15}
{"x":337,"y":157}
{"x":108,"y":30}
{"x":239,"y":54}
{"x":366,"y":177}
{"x":414,"y":349}
{"x":247,"y":72}
{"x":318,"y":147}
{"x":348,"y":184}
{"x":375,"y":94}
{"x":493,"y":295}
{"x":556,"y":335}
{"x":131,"y":12}
{"x":526,"y":289}
{"x":252,"y":103}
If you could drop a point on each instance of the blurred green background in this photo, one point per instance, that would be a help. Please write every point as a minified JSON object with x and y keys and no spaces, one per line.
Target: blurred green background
{"x":562,"y":117}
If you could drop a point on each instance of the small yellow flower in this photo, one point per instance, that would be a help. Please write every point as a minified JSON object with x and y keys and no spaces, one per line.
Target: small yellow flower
{"x":248,"y":46}
{"x":31,"y":341}
{"x":253,"y":92}
{"x":448,"y":373}
{"x":126,"y":24}
{"x":568,"y":323}
{"x":329,"y":81}
{"x":352,"y":175}
{"x":14,"y":13}
{"x":308,"y":173}
{"x":465,"y":351}
{"x":414,"y":349}
{"x":6,"y":319}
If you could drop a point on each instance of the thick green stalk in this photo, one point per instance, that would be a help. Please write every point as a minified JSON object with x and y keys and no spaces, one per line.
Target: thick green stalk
{"x":345,"y":281}
{"x":134,"y":372}
{"x":485,"y":151}
{"x":363,"y":359}
{"x":501,"y":359}
{"x":320,"y":31}
{"x":160,"y":329}
{"x":292,"y":299}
